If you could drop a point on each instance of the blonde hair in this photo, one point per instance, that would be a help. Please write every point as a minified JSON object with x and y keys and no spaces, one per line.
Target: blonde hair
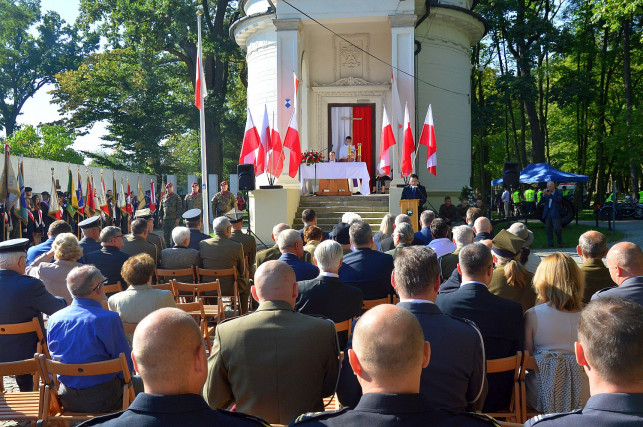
{"x":516,"y":274}
{"x":558,"y":281}
{"x":66,"y":247}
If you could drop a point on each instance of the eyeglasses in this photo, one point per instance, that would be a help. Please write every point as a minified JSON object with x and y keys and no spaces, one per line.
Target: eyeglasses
{"x":102,"y":283}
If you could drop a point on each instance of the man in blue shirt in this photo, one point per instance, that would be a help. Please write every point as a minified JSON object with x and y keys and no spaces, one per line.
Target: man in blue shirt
{"x":292,"y":250}
{"x":56,"y":228}
{"x":85,"y":332}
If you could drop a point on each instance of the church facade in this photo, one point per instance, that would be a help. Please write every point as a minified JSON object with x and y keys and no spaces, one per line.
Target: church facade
{"x":347,"y":55}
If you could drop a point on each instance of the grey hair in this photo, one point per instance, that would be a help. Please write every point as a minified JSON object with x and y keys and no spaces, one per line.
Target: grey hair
{"x":351,"y":217}
{"x":462,"y":235}
{"x":277,"y":229}
{"x":401,"y":218}
{"x":180,"y":235}
{"x":108,"y":233}
{"x":593,"y":244}
{"x":360,"y":234}
{"x":10,"y":259}
{"x":427,"y":217}
{"x":328,"y":255}
{"x":405,"y":231}
{"x":82,"y":280}
{"x":288,"y":238}
{"x":221,"y":225}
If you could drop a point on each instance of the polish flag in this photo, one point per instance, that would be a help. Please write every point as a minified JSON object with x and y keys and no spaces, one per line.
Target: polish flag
{"x":408,"y":146}
{"x":264,"y":133}
{"x":200,"y":89}
{"x":291,"y":140}
{"x":251,"y":142}
{"x":152,"y":197}
{"x":427,"y":138}
{"x":275,"y":153}
{"x":386,"y":142}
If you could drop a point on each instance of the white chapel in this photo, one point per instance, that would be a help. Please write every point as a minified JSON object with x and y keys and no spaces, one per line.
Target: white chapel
{"x":347,"y":55}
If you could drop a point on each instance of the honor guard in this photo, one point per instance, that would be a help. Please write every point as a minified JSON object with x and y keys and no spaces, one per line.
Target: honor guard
{"x":170,"y":212}
{"x":247,"y":241}
{"x":223,"y":201}
{"x":194,"y":200}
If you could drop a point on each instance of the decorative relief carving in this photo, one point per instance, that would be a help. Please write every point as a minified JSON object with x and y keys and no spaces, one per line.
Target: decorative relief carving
{"x":349,"y":57}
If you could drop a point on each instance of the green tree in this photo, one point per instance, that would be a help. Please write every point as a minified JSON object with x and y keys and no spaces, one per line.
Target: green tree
{"x":50,"y":142}
{"x":28,"y":61}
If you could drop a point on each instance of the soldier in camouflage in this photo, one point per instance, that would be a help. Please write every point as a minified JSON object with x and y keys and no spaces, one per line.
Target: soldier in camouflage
{"x":223,"y":201}
{"x":170,"y":212}
{"x":194,"y":200}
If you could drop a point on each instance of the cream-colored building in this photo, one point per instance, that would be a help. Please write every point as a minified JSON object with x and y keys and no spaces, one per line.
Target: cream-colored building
{"x":345,"y":53}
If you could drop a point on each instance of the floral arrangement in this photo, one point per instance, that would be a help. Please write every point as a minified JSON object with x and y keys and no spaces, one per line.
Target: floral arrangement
{"x":311,"y":157}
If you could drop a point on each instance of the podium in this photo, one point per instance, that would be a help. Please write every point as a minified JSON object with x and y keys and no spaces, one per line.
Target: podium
{"x":410,"y":207}
{"x":333,"y":187}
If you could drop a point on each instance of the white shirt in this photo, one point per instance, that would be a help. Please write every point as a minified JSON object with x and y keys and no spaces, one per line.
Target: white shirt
{"x":506,"y":196}
{"x":442,"y":246}
{"x":343,"y":151}
{"x":327,"y":274}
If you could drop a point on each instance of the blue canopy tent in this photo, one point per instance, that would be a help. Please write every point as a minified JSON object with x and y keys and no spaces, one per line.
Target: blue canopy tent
{"x":544,"y":172}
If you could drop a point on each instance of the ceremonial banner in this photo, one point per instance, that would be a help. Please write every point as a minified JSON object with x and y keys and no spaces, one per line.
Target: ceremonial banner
{"x":54,"y":208}
{"x":427,"y":138}
{"x":72,"y":202}
{"x":291,"y":140}
{"x":408,"y":145}
{"x":387,"y":141}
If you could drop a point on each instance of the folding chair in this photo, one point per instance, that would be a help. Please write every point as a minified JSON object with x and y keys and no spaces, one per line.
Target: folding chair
{"x":164,"y":276}
{"x":18,"y":406}
{"x":508,"y":364}
{"x":195,"y":309}
{"x":219,"y":274}
{"x":528,"y":364}
{"x":168,"y":287}
{"x":28,"y":328}
{"x":53,"y":410}
{"x":198,"y":291}
{"x":112,"y":289}
{"x":370,"y":303}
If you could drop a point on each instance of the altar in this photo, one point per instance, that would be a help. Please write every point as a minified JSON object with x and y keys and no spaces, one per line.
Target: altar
{"x":335,"y":170}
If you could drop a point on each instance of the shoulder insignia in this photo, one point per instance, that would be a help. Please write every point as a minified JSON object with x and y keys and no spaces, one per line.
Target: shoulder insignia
{"x":249,"y":417}
{"x":309,"y":416}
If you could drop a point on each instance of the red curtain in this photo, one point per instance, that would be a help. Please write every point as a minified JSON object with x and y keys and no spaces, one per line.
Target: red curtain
{"x":363,"y":133}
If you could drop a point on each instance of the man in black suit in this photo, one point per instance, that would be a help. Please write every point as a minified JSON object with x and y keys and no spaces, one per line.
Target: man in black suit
{"x":499,"y":319}
{"x":110,"y":259}
{"x":309,"y":217}
{"x":326,"y":295}
{"x":415,"y":191}
{"x":625,"y":263}
{"x":455,"y":377}
{"x":365,"y":268}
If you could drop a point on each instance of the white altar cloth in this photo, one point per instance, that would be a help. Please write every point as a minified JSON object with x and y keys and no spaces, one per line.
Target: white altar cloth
{"x":336,"y":170}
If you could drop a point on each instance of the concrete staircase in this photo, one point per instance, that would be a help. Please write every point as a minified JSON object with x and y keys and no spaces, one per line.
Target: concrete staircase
{"x":329,"y":209}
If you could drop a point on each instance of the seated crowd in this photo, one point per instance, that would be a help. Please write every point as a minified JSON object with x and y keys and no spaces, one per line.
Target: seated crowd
{"x":466,"y":294}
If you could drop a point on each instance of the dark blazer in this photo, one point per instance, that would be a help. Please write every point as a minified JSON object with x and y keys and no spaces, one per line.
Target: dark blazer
{"x":303,"y":270}
{"x":195,"y":238}
{"x":269,"y":254}
{"x":21,"y":299}
{"x":500,"y":322}
{"x":109,"y":260}
{"x":424,"y":235}
{"x":631,"y":289}
{"x":152,"y":410}
{"x":596,"y":276}
{"x":388,"y":244}
{"x":452,"y":283}
{"x":35,"y":251}
{"x":455,"y":376}
{"x":369,"y":271}
{"x":89,"y":245}
{"x":420,"y":194}
{"x":483,"y":236}
{"x":556,"y":198}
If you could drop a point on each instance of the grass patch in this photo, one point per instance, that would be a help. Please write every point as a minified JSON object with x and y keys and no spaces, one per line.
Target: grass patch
{"x":571,"y":233}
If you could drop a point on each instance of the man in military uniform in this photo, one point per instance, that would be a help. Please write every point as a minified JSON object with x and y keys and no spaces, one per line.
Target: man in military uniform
{"x":273,"y":253}
{"x":155,"y":239}
{"x":610,"y":350}
{"x":170,"y":212}
{"x":91,"y":233}
{"x":530,"y":200}
{"x":247,"y":241}
{"x":136,"y":243}
{"x":389,"y":377}
{"x":194,"y":222}
{"x":194,"y":200}
{"x":223,"y":201}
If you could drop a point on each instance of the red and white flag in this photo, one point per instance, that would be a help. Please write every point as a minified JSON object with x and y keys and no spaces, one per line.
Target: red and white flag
{"x":152,"y":197}
{"x":251,"y":142}
{"x":427,"y":138}
{"x":264,"y":133}
{"x":275,"y":152}
{"x":397,"y":106}
{"x":386,"y":142}
{"x":200,"y":88}
{"x":54,"y":207}
{"x":408,"y":146}
{"x":291,"y":140}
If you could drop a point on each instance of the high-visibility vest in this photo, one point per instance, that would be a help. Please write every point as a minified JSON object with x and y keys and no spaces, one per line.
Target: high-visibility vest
{"x":641,"y":196}
{"x":566,"y":193}
{"x":516,"y":196}
{"x":539,"y":195}
{"x":609,"y":199}
{"x":530,"y":195}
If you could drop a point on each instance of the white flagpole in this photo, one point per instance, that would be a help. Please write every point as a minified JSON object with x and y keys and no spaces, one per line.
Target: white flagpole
{"x":204,"y":169}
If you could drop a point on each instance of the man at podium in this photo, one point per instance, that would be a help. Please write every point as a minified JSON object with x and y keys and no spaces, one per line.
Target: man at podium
{"x":415,"y":191}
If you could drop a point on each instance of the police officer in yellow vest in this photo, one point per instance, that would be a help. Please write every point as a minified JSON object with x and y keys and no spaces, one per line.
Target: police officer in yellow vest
{"x":515,"y":198}
{"x":530,"y":200}
{"x":539,"y":195}
{"x":566,"y":192}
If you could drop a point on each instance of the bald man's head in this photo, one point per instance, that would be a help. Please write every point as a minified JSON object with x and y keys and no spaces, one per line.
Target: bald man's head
{"x":165,"y":347}
{"x":389,"y":343}
{"x":274,"y":281}
{"x":482,"y":225}
{"x":624,"y":260}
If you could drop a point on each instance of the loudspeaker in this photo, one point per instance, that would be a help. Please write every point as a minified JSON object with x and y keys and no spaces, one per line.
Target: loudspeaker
{"x":246,"y":176}
{"x":511,"y":174}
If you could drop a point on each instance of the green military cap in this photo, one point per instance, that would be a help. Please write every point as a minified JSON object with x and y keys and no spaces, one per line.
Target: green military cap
{"x":506,"y":244}
{"x":14,"y":245}
{"x":234,"y":215}
{"x":143,"y":213}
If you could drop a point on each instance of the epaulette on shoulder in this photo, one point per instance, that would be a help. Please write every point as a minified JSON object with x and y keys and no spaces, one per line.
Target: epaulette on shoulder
{"x":247,"y":417}
{"x":310,"y":416}
{"x":480,"y":416}
{"x":547,"y":417}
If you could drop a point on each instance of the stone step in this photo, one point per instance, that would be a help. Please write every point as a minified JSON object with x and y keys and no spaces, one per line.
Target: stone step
{"x":343,"y":200}
{"x":330,"y":210}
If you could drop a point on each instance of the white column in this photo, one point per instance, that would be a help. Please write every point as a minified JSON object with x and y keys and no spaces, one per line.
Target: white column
{"x":403,"y":61}
{"x":288,"y":40}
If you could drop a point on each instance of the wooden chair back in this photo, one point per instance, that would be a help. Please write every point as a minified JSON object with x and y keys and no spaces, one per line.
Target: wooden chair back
{"x":53,"y":410}
{"x":344,"y":326}
{"x":164,"y":275}
{"x":17,"y":406}
{"x":112,"y":289}
{"x":196,"y":309}
{"x":218,"y":274}
{"x":528,"y":364}
{"x":508,"y":364}
{"x":198,"y":291}
{"x":370,"y":303}
{"x":395,"y":300}
{"x":28,"y":328}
